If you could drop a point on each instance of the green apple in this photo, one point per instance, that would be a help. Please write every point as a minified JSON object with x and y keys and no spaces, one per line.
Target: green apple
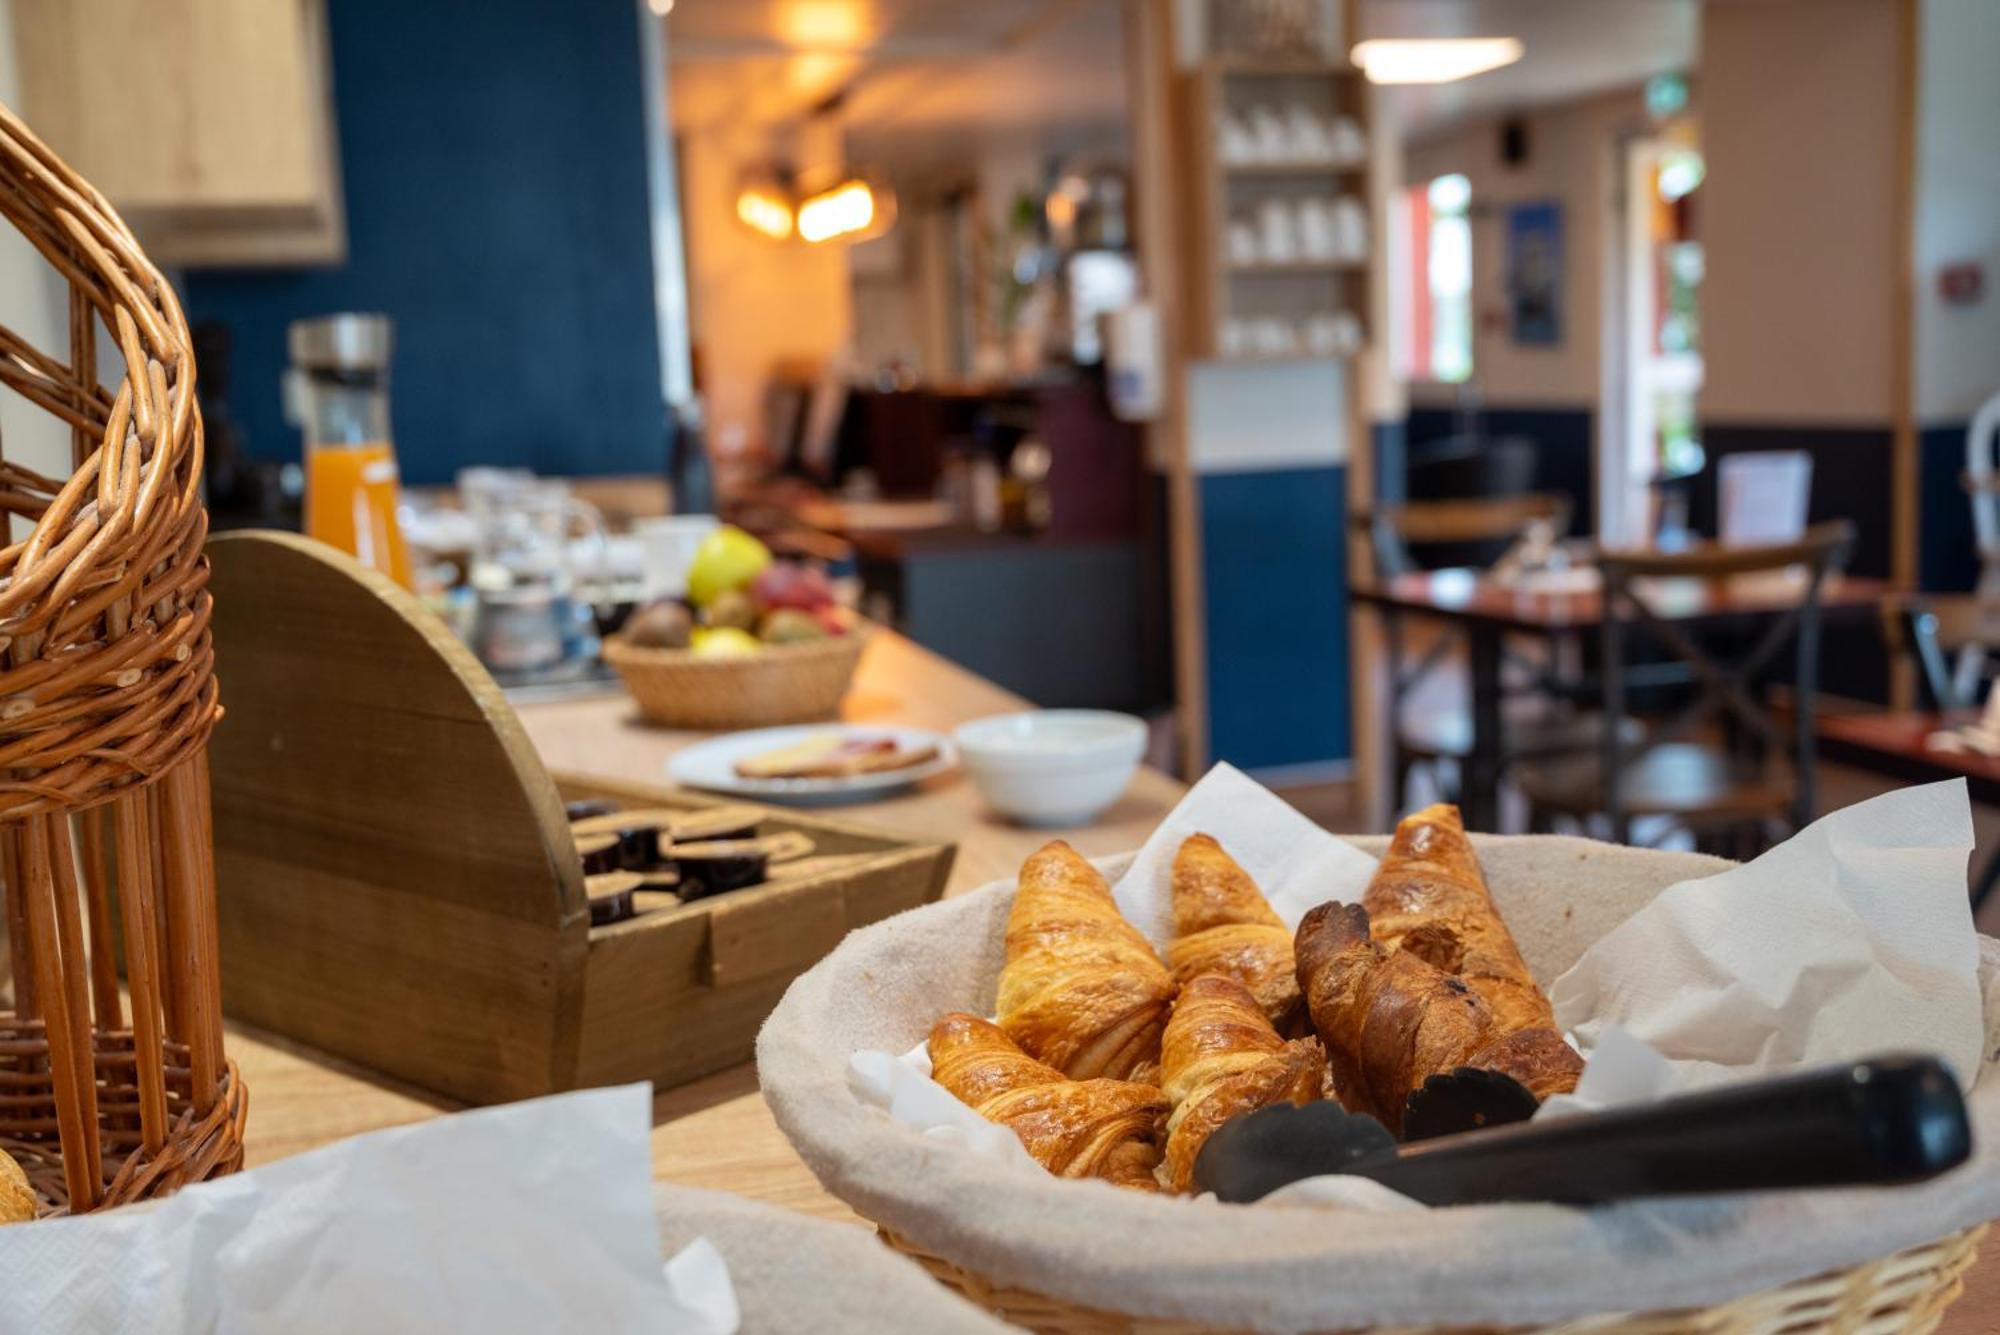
{"x":727,"y":559}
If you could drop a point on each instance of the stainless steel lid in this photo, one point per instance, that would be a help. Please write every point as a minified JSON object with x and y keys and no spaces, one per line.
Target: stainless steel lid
{"x":350,"y":341}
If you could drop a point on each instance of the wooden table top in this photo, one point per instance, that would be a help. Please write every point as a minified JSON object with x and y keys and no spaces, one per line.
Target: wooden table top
{"x":1895,"y":742}
{"x":716,"y":1133}
{"x":1469,"y":595}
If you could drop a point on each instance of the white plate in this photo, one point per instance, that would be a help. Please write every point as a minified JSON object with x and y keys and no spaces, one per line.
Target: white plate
{"x":712,"y":764}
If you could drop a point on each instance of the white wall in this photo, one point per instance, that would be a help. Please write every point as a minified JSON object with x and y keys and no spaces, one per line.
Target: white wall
{"x":755,"y":303}
{"x":1798,"y":215}
{"x":34,"y":304}
{"x":1958,"y":205}
{"x":1572,"y":155}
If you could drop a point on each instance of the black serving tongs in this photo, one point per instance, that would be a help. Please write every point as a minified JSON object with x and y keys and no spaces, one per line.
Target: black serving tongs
{"x":1894,"y":1119}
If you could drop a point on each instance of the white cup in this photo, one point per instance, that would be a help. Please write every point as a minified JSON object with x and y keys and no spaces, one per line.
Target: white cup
{"x":667,"y":546}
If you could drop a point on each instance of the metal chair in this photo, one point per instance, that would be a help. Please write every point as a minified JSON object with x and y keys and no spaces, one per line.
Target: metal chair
{"x":1729,"y":781}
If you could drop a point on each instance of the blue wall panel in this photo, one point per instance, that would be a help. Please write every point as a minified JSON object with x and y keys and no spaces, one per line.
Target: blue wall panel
{"x":1274,"y":555}
{"x":1947,"y":551}
{"x":1562,"y":437}
{"x":494,"y":163}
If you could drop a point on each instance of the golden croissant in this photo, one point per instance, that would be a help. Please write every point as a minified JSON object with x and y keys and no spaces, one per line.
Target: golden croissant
{"x":1221,"y":1058}
{"x":1074,"y":1128}
{"x":1442,"y":985}
{"x":1081,"y":989}
{"x":1429,"y":898}
{"x":1223,"y":924}
{"x":1389,"y":1019}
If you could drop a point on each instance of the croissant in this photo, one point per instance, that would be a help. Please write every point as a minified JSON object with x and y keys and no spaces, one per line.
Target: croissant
{"x":1074,"y":1128}
{"x":18,"y":1202}
{"x":1221,"y":1057}
{"x":1223,"y":924}
{"x":1429,"y":898}
{"x":1081,"y":989}
{"x":1389,"y":1019}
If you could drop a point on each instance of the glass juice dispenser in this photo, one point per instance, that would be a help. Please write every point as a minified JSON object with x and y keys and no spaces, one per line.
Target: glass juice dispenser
{"x":339,"y":390}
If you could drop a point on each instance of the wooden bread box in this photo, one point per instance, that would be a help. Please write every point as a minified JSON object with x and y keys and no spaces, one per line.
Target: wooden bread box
{"x":396,"y":879}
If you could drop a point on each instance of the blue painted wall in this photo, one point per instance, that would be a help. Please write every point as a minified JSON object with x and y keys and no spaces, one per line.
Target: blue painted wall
{"x":1275,"y":574}
{"x":1562,"y":437}
{"x":494,"y":163}
{"x":1947,"y":551}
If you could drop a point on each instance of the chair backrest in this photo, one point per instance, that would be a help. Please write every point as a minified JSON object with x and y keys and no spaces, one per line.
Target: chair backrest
{"x":1726,"y":679}
{"x":1393,"y":529}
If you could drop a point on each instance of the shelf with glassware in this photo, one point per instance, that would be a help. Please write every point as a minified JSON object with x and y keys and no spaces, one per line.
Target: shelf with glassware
{"x":1279,"y":251}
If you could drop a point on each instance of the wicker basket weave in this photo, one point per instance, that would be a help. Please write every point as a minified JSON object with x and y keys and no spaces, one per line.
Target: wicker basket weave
{"x":1904,"y":1294}
{"x":107,"y":698}
{"x":786,"y":683}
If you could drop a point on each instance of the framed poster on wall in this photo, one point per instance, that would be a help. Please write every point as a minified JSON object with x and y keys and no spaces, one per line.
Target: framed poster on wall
{"x":1535,"y":272}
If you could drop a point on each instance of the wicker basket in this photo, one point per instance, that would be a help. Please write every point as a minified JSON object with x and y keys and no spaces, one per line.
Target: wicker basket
{"x":786,"y":683}
{"x":1844,"y":1261}
{"x":107,"y":698}
{"x":1906,"y":1293}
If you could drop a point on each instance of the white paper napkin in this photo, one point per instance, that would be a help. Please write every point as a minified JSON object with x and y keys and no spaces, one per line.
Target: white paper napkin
{"x":1295,"y":863}
{"x":1851,"y":939}
{"x":531,"y":1217}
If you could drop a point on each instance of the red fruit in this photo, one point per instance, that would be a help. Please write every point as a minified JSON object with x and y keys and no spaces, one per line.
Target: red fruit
{"x":831,"y":618}
{"x":784,"y":584}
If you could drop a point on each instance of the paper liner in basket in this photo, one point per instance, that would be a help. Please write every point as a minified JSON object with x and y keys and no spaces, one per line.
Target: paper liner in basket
{"x":1282,"y":1268}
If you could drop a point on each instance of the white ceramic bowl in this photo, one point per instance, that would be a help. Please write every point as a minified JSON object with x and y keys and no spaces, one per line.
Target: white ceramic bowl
{"x":1052,"y":766}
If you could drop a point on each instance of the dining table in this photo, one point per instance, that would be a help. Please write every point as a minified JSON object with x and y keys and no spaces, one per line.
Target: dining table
{"x":716,"y":1132}
{"x":1902,"y":744}
{"x":1560,"y":606}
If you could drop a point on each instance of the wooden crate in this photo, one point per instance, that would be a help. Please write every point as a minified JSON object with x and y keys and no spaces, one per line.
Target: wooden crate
{"x":397,"y":884}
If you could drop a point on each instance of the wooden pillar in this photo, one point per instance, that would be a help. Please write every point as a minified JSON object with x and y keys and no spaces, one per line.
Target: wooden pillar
{"x":1151,"y":73}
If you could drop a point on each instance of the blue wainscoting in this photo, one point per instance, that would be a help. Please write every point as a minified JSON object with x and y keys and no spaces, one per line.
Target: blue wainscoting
{"x":1947,"y":554}
{"x":1274,"y":555}
{"x":1851,"y":472}
{"x":1851,"y":480}
{"x":494,"y":163}
{"x":1562,"y":437}
{"x":1392,"y":453}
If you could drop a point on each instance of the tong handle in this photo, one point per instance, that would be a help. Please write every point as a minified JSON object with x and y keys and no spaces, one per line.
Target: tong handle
{"x":1892,"y":1119}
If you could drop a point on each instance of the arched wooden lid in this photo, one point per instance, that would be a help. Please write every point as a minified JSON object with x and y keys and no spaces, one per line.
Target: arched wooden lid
{"x":368,"y":770}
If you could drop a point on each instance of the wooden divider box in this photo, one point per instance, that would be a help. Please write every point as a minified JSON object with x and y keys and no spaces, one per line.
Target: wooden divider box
{"x":396,"y":879}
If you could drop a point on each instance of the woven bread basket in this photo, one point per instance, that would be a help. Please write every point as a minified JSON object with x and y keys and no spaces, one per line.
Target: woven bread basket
{"x":107,"y":699}
{"x":1080,"y":1257}
{"x":785,"y":683}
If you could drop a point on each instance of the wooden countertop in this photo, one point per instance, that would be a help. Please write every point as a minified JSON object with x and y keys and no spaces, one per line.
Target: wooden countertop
{"x":716,"y":1132}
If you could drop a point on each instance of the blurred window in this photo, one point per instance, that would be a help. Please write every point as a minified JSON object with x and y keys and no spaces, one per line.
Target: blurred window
{"x":1435,"y":290}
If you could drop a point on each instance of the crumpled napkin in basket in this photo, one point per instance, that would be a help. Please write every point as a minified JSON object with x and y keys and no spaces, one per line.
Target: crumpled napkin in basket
{"x":531,"y":1217}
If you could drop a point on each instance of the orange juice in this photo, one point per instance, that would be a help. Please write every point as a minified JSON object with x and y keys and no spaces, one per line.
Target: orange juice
{"x":351,"y":504}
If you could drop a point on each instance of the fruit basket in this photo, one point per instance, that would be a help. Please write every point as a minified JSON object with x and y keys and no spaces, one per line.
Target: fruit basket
{"x":785,"y":683}
{"x":758,"y":642}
